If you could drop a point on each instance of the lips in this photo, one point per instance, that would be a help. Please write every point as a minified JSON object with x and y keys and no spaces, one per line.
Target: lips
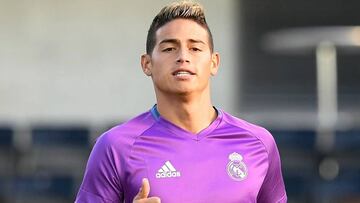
{"x":182,"y":72}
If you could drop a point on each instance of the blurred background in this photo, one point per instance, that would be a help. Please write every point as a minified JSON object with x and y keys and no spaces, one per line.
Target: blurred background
{"x":69,"y":70}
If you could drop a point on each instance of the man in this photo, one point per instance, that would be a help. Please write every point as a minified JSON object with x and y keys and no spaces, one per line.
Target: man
{"x":183,"y":149}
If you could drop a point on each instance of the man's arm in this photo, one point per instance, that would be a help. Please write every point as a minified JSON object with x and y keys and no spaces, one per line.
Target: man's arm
{"x":273,"y":188}
{"x":101,"y":182}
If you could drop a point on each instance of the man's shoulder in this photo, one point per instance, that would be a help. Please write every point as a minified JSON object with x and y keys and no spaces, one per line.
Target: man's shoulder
{"x":127,"y":132}
{"x":241,"y":123}
{"x":255,"y":130}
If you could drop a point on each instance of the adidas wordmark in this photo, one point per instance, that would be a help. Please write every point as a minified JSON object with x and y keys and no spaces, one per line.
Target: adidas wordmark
{"x":167,"y":171}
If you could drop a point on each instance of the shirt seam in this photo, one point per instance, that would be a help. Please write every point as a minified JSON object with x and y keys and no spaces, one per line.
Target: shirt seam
{"x":266,"y":149}
{"x":137,"y":137}
{"x":83,"y":189}
{"x":282,"y":198}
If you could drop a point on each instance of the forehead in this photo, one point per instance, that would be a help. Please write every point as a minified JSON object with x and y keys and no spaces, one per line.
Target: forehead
{"x":182,"y":30}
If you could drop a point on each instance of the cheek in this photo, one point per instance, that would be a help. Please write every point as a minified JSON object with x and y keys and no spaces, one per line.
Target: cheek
{"x":161,"y":63}
{"x":159,"y":72}
{"x":205,"y":65}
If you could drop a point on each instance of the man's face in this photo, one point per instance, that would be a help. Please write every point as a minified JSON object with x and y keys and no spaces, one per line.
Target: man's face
{"x":181,"y":61}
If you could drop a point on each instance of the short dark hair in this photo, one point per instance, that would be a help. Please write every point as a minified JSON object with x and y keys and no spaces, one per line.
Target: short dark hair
{"x":185,"y":10}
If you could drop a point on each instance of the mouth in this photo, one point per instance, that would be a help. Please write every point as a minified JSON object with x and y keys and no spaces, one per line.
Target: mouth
{"x":182,"y":73}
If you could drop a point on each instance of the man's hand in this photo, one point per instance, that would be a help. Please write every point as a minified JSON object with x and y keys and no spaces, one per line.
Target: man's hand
{"x":142,"y":195}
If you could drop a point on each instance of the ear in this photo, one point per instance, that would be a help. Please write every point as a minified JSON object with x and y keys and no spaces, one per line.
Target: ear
{"x":146,"y":64}
{"x":215,"y":61}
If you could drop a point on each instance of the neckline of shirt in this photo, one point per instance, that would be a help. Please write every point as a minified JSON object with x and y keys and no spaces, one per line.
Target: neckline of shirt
{"x":176,"y":129}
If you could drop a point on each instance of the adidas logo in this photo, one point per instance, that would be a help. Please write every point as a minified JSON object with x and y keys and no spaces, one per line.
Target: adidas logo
{"x":167,"y":171}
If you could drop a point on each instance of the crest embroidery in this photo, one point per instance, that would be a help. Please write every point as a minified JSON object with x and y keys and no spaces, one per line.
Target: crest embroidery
{"x":236,"y":168}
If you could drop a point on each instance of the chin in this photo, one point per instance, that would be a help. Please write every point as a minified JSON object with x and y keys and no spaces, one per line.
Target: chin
{"x":182,"y":91}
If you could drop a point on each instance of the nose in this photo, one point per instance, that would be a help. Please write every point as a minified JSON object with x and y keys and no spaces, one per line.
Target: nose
{"x":183,"y":56}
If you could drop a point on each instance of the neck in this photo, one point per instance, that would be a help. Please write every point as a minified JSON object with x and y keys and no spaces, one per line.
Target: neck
{"x":192,"y":113}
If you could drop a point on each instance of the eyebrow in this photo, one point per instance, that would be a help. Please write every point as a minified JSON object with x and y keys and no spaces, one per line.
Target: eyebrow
{"x":176,"y":41}
{"x":196,"y":41}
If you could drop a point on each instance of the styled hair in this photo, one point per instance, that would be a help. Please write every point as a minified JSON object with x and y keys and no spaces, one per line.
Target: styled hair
{"x":184,"y":10}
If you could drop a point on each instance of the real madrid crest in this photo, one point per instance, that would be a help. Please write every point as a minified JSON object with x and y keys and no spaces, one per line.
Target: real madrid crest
{"x":236,"y":168}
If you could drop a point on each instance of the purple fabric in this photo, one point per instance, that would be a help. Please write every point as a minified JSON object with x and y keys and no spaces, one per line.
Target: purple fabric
{"x":229,"y":161}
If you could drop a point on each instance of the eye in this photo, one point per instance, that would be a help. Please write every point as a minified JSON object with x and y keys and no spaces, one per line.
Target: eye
{"x":168,"y":49}
{"x":195,"y":49}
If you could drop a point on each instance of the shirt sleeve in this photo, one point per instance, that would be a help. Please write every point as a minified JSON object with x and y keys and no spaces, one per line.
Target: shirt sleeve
{"x":273,"y":188}
{"x":101,"y":182}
